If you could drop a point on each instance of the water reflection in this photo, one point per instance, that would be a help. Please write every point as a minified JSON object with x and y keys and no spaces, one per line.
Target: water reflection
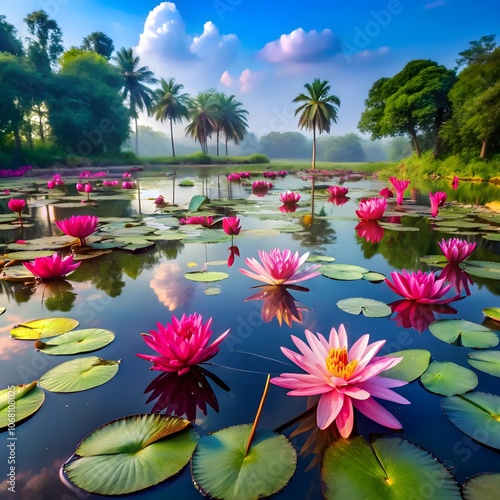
{"x":172,"y":289}
{"x":411,"y":314}
{"x":278,"y":302}
{"x":185,"y":394}
{"x":370,"y":230}
{"x":457,"y":277}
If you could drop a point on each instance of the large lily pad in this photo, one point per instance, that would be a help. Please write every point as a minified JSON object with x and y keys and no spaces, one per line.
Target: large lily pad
{"x":196,"y":201}
{"x":476,"y":414}
{"x":206,"y":277}
{"x":29,"y":254}
{"x":413,"y":364}
{"x":492,"y":312}
{"x":131,"y":454}
{"x":485,"y":361}
{"x":320,"y":258}
{"x":462,"y":332}
{"x":448,"y":379}
{"x":482,"y":487}
{"x":28,"y":399}
{"x":221,"y":470}
{"x":43,"y":328}
{"x":369,"y":307}
{"x":76,"y":341}
{"x":346,"y":272}
{"x":391,"y":468}
{"x":79,"y":374}
{"x":483,"y":269}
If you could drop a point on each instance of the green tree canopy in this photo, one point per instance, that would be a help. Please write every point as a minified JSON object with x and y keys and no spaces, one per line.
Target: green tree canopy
{"x":9,"y":42}
{"x":285,"y":145}
{"x":204,"y":116}
{"x":342,"y":148}
{"x":100,"y":43}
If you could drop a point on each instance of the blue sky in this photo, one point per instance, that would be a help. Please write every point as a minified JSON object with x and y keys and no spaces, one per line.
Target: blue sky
{"x":264,"y":51}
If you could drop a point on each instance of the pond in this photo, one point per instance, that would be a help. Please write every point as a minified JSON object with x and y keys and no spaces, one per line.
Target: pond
{"x":133,"y":275}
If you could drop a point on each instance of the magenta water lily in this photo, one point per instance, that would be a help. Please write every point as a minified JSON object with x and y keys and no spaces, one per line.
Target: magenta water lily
{"x":181,"y":344}
{"x":437,"y":199}
{"x":78,"y":226}
{"x":231,"y":225}
{"x":343,"y":378}
{"x":456,"y":250}
{"x":419,"y":286}
{"x":400,"y":186}
{"x":337,"y":191}
{"x":289,"y":198}
{"x":280,"y":267}
{"x":372,"y":208}
{"x":51,"y":267}
{"x":204,"y":221}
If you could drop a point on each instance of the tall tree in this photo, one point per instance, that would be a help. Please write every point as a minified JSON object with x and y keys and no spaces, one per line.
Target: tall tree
{"x":100,"y":43}
{"x":46,"y":46}
{"x":232,"y":123}
{"x":8,"y":38}
{"x":318,"y":110}
{"x":478,"y":51}
{"x":204,"y":117}
{"x":140,"y":97}
{"x":171,"y":105}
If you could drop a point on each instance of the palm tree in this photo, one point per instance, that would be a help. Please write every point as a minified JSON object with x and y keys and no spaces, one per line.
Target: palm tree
{"x":140,"y":96}
{"x":317,"y":111}
{"x":233,"y":123}
{"x":204,"y":117}
{"x":171,"y":105}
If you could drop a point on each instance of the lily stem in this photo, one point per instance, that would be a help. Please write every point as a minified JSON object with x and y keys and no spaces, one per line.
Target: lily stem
{"x":257,"y":416}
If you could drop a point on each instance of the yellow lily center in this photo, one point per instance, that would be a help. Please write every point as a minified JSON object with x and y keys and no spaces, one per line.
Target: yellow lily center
{"x":338,"y":365}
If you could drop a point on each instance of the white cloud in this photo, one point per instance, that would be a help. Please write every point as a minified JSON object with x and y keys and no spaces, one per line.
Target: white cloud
{"x":249,"y":79}
{"x":212,"y":45}
{"x":301,"y":46}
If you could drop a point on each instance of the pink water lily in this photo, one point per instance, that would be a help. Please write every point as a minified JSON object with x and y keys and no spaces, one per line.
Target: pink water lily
{"x":372,"y":208}
{"x":182,"y":344}
{"x":78,"y":226}
{"x":456,"y":250}
{"x":204,"y":221}
{"x":344,"y":378}
{"x":51,"y":267}
{"x":386,"y":193}
{"x":454,"y":182}
{"x":280,"y":267}
{"x":336,"y":191}
{"x":16,"y":205}
{"x":437,"y":199}
{"x":260,"y":188}
{"x":419,"y":286}
{"x":289,"y":198}
{"x":231,"y":225}
{"x":400,"y":187}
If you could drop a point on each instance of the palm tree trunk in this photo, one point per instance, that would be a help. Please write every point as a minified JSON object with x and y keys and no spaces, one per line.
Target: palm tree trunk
{"x":483,"y":149}
{"x":314,"y":148}
{"x":172,"y":138}
{"x":226,"y":145}
{"x":217,"y":142}
{"x":136,"y":138}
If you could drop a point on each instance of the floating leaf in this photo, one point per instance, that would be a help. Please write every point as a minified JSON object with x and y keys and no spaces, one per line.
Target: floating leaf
{"x":492,"y":312}
{"x":221,"y":470}
{"x":369,"y":307}
{"x":482,"y":487}
{"x":460,"y":223}
{"x":343,"y":271}
{"x":485,"y":361}
{"x":320,"y":258}
{"x":43,"y":328}
{"x":491,"y":236}
{"x":89,"y":254}
{"x":17,"y":274}
{"x":29,"y":254}
{"x":462,"y":332}
{"x":186,"y":183}
{"x":390,"y":468}
{"x":76,"y":341}
{"x":131,"y":454}
{"x":374,"y":277}
{"x":208,"y":236}
{"x":448,"y":379}
{"x":212,"y":291}
{"x":28,"y":399}
{"x":483,"y":269}
{"x":398,"y":227}
{"x":434,"y":260}
{"x":206,"y":277}
{"x":45,"y":243}
{"x":413,"y":364}
{"x":476,"y":414}
{"x":196,"y":202}
{"x":79,"y":374}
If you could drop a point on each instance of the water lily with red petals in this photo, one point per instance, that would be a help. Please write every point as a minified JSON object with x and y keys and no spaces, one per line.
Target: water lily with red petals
{"x":78,"y":226}
{"x":337,"y":191}
{"x":437,"y":199}
{"x":289,"y":198}
{"x":181,"y":344}
{"x":371,"y":208}
{"x":204,"y":221}
{"x":343,"y":378}
{"x":400,"y":187}
{"x":231,"y":225}
{"x":51,"y":267}
{"x":386,"y":193}
{"x":456,"y":250}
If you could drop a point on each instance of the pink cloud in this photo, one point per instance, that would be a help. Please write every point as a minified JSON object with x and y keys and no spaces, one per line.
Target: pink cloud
{"x":248,"y":79}
{"x":226,"y":79}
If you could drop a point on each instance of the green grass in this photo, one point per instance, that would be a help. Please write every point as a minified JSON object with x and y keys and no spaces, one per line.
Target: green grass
{"x":283,"y":164}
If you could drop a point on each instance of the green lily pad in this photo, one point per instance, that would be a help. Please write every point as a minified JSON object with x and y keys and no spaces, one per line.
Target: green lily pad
{"x":483,"y":269}
{"x":186,"y":183}
{"x":475,"y":414}
{"x":206,"y":277}
{"x":374,"y":277}
{"x":220,"y":468}
{"x":131,"y":454}
{"x":448,"y":379}
{"x":492,"y":312}
{"x":212,"y":291}
{"x":45,"y":243}
{"x":134,"y":243}
{"x":434,"y":260}
{"x":389,"y":468}
{"x":208,"y":236}
{"x":29,"y":255}
{"x":320,"y":258}
{"x":76,"y":341}
{"x":460,"y":223}
{"x":465,"y":333}
{"x":398,"y":227}
{"x":196,"y":202}
{"x":79,"y":374}
{"x":17,"y":274}
{"x":28,"y":399}
{"x":491,"y":236}
{"x":485,"y":361}
{"x":166,"y":235}
{"x":345,"y":272}
{"x":413,"y":364}
{"x":369,"y":307}
{"x":482,"y":487}
{"x":107,"y":244}
{"x":43,"y":328}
